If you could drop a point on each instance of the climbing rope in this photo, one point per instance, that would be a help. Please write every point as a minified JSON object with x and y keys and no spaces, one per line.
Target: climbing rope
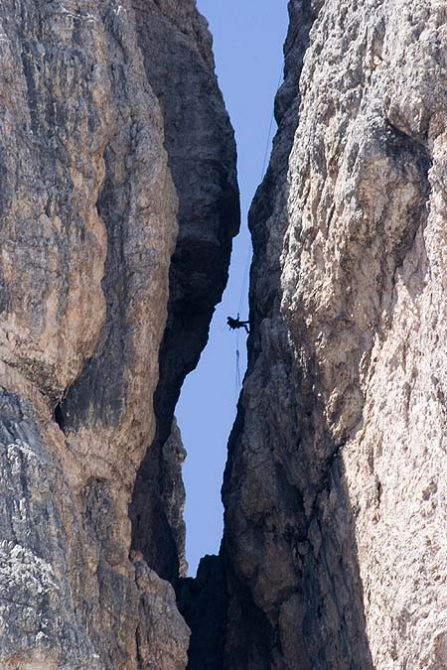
{"x":238,"y":370}
{"x":238,"y":385}
{"x":272,"y":118}
{"x":264,"y":164}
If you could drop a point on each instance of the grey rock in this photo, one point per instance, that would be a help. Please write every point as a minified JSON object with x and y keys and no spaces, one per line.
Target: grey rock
{"x":162,"y":635}
{"x":90,"y":218}
{"x":40,"y":625}
{"x":85,"y":176}
{"x":333,"y":486}
{"x":114,"y":137}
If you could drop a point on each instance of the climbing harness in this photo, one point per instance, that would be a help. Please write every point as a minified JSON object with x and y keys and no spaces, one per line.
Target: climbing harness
{"x":235,"y":324}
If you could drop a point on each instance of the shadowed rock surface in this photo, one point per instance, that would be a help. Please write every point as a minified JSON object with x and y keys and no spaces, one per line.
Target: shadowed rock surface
{"x":179,"y":62}
{"x":206,"y":594}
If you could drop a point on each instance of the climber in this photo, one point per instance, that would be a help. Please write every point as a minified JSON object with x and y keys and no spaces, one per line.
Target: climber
{"x":236,"y":323}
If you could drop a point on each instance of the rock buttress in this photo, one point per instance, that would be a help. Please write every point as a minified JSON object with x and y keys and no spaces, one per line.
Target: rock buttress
{"x":89,"y":222}
{"x":335,"y":486}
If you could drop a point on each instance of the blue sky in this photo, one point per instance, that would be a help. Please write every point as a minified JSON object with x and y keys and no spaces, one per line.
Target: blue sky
{"x":248,"y":39}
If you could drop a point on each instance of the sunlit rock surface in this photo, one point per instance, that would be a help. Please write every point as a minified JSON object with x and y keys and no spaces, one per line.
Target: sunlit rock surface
{"x":336,"y":483}
{"x":90,"y":211}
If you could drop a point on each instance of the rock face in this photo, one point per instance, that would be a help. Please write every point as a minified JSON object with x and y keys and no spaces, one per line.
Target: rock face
{"x":89,"y":222}
{"x":335,"y":487}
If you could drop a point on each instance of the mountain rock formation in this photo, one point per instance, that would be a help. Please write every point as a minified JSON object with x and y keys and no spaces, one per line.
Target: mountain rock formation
{"x":103,"y":157}
{"x":335,"y":487}
{"x":118,"y":206}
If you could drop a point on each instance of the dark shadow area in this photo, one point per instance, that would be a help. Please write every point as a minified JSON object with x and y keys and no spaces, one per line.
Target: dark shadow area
{"x":59,"y":417}
{"x":203,"y":603}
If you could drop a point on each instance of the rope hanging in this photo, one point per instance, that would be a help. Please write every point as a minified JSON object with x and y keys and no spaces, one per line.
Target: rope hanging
{"x":238,"y":370}
{"x":238,"y":385}
{"x":266,"y":154}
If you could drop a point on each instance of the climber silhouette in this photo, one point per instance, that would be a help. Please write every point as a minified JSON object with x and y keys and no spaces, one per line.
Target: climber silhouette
{"x":236,"y":323}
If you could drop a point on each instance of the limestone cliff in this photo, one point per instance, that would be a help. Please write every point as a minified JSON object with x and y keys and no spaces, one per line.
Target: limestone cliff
{"x":94,"y":165}
{"x":336,"y":483}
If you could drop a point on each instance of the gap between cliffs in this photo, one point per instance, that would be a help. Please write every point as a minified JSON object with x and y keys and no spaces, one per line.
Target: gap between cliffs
{"x":201,"y":150}
{"x":202,"y":156}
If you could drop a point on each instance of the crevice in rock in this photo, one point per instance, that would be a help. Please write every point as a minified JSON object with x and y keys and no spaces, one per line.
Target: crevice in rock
{"x":59,"y":416}
{"x":205,"y":595}
{"x":202,"y":156}
{"x":229,"y":630}
{"x":333,"y":490}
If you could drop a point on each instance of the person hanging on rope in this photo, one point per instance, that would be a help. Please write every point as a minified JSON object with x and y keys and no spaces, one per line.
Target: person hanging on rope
{"x":237,"y":323}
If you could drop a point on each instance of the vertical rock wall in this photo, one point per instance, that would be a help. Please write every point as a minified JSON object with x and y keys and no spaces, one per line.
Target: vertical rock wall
{"x":89,"y":222}
{"x":335,"y":486}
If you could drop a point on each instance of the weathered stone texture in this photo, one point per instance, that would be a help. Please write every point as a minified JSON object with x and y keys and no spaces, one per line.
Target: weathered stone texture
{"x":162,"y":635}
{"x":116,"y":153}
{"x":88,"y":227}
{"x":335,"y":488}
{"x":89,"y":222}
